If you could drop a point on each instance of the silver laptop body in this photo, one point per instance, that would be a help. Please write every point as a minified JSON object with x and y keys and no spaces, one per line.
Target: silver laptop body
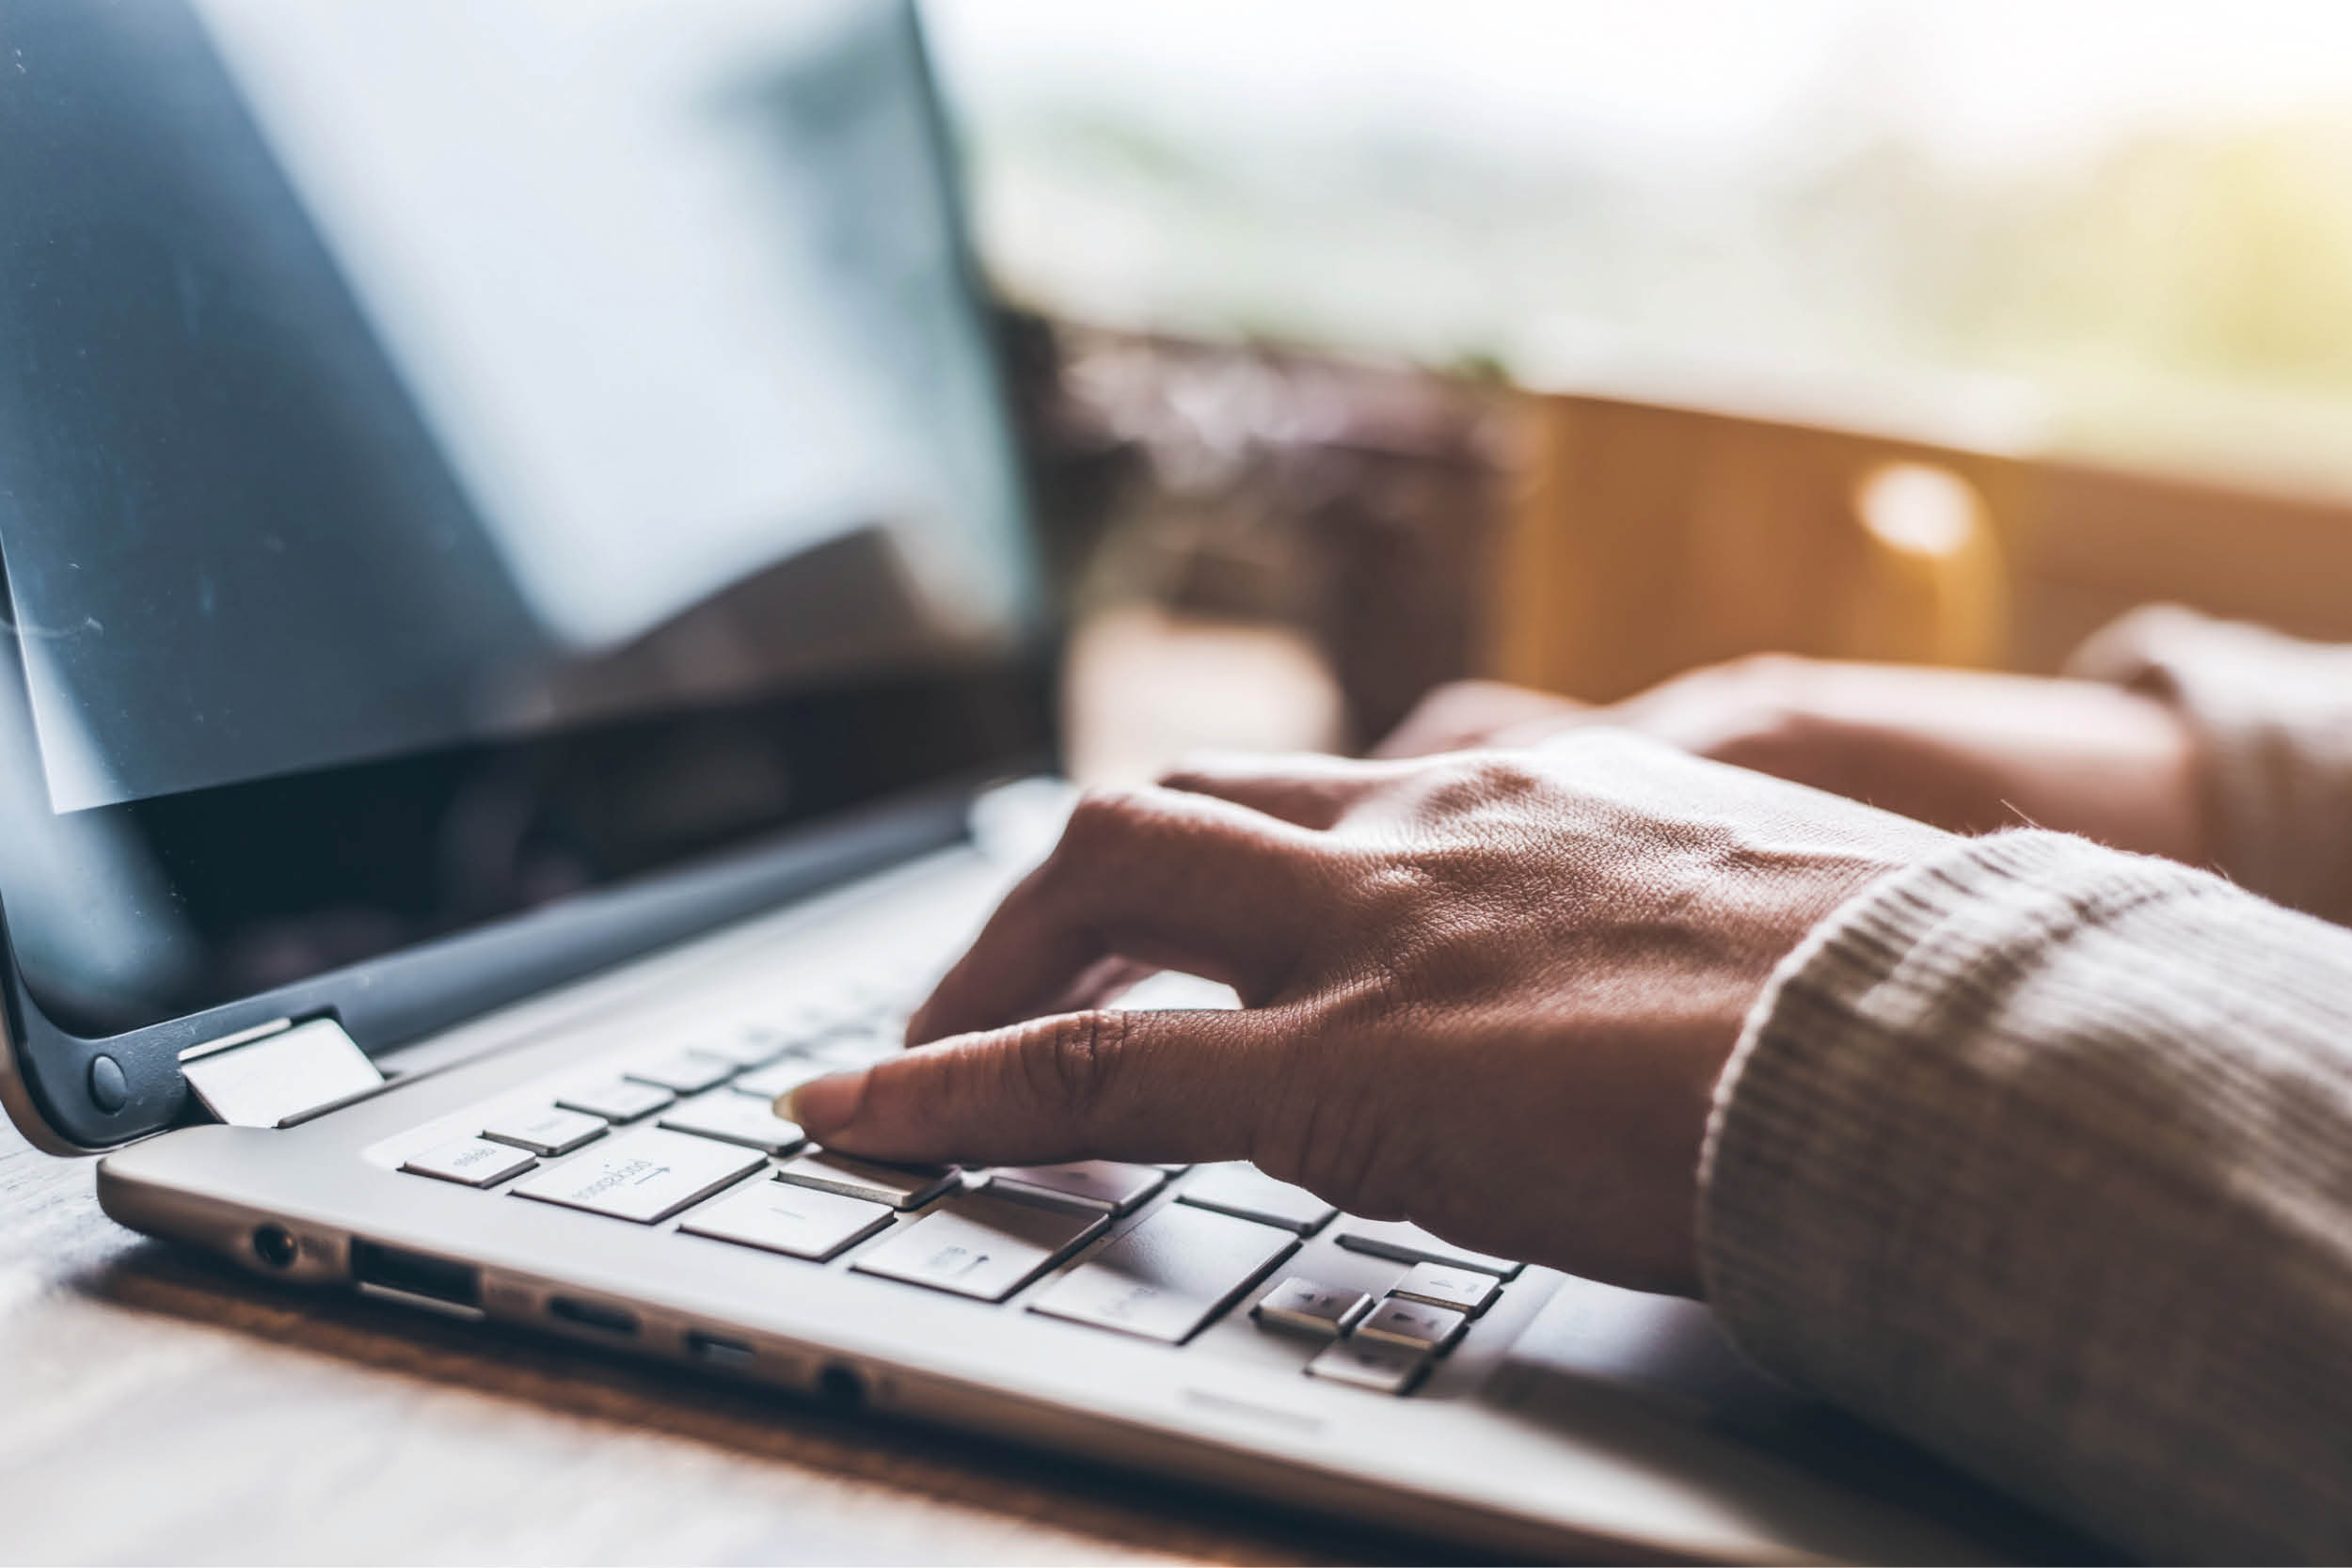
{"x":524,"y":626}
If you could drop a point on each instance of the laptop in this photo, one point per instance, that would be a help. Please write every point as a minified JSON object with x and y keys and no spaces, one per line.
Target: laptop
{"x":526,"y":642}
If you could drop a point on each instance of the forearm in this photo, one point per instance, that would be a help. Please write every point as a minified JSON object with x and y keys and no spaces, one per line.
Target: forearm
{"x":2042,"y":1154}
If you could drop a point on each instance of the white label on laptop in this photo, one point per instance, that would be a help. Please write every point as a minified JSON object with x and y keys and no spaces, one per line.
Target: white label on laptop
{"x":263,"y":1082}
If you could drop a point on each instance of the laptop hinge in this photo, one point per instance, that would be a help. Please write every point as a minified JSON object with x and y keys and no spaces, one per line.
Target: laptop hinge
{"x":230,"y":1042}
{"x":280,"y":1072}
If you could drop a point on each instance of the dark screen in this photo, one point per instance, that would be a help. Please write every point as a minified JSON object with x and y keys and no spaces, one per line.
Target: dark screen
{"x":431,"y":490}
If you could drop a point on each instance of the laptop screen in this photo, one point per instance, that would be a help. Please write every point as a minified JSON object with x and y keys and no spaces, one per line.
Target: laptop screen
{"x":459,"y":453}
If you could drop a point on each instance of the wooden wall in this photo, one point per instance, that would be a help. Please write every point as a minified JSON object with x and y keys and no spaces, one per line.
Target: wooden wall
{"x":1642,"y":539}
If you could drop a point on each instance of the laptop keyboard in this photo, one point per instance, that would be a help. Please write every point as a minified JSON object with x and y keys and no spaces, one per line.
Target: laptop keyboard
{"x":686,"y":1138}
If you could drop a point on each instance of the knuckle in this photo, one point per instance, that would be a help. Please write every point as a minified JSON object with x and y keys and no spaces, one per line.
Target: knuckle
{"x":1766,"y":668}
{"x":1507,"y":775}
{"x":1394,"y":894}
{"x":1103,"y":829}
{"x":1068,"y":1063}
{"x":1450,"y":697}
{"x":1760,"y":684}
{"x":1332,"y":1133}
{"x":1193,"y":767}
{"x":1104,"y":810}
{"x":1474,"y":783}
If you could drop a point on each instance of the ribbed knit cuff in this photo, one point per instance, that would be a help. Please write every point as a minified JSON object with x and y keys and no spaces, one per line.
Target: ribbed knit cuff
{"x":1828,"y":1159}
{"x":2038,"y":1152}
{"x":2273,"y":721}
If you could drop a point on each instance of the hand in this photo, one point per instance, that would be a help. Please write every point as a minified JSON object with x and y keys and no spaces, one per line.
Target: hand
{"x":1967,"y":751}
{"x":1491,"y":992}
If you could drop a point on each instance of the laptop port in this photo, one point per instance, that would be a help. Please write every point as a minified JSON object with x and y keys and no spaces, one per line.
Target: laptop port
{"x":593,"y":1314}
{"x":720,"y":1349}
{"x":400,"y":1272}
{"x":274,"y":1244}
{"x":842,"y":1383}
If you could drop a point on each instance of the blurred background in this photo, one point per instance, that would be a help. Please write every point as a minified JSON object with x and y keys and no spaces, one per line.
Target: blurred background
{"x":1381,"y":342}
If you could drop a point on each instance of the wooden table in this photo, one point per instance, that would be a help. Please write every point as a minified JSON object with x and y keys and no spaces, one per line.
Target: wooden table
{"x":156,"y":1405}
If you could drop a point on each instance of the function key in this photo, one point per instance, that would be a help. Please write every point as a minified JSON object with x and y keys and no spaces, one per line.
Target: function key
{"x":616,"y":1101}
{"x":1299,"y":1305}
{"x":469,"y":1162}
{"x":549,"y":1132}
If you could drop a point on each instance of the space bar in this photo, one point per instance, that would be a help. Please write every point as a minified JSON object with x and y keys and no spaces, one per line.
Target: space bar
{"x":1168,"y":1275}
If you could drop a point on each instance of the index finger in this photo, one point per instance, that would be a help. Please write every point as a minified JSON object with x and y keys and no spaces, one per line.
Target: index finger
{"x":1154,"y":876}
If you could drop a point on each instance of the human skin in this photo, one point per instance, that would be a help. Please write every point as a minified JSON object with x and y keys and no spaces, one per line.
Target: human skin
{"x":1965,"y":749}
{"x":1489,"y":992}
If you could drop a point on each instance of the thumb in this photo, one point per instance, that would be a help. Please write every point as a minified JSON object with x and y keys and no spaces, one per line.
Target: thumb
{"x":1101,"y":1085}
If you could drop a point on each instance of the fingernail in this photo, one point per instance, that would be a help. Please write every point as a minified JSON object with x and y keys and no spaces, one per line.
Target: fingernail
{"x":824,"y":1106}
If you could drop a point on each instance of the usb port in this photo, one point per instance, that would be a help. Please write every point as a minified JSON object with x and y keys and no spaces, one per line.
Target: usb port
{"x":717,"y":1348}
{"x":395,"y":1271}
{"x":593,"y":1314}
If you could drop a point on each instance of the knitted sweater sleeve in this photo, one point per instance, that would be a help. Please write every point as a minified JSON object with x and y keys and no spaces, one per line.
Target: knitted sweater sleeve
{"x":2273,"y":718}
{"x":2042,"y":1153}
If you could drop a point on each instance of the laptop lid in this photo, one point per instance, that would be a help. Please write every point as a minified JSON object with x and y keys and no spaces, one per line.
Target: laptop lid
{"x":486,"y":487}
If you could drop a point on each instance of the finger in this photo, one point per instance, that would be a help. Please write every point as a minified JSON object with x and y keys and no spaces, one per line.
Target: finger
{"x":1308,"y":789}
{"x":1157,"y":878}
{"x":1099,"y":1084}
{"x":1465,"y":715}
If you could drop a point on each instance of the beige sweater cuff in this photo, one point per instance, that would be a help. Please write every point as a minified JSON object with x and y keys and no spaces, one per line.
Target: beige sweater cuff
{"x":2039,"y":1152}
{"x":2273,"y":719}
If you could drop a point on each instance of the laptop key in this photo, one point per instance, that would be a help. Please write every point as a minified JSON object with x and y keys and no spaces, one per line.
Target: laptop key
{"x":1300,"y":1305}
{"x":1415,"y":1325}
{"x":899,"y":1186}
{"x":782,"y":1077}
{"x":1251,"y":1193}
{"x":688,"y":1072}
{"x":1167,"y":1277}
{"x":469,"y":1162}
{"x":799,"y":1222}
{"x":617,"y":1101}
{"x":1408,"y":1242}
{"x":1384,"y":1369}
{"x":747,"y":1047}
{"x":644,"y":1175}
{"x":1470,"y":1291}
{"x":734,"y":1118}
{"x":1101,"y":1184}
{"x":980,"y":1245}
{"x":847,"y":1048}
{"x":551,"y":1131}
